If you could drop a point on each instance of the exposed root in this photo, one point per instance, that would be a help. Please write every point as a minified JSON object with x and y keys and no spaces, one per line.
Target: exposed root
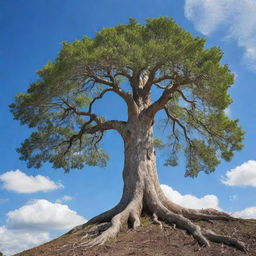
{"x":202,"y":236}
{"x":110,"y":223}
{"x":224,"y":239}
{"x":103,"y":217}
{"x":110,"y":230}
{"x":184,"y":223}
{"x":206,"y":214}
{"x":192,"y":214}
{"x":156,"y":221}
{"x":135,"y":219}
{"x":96,"y":230}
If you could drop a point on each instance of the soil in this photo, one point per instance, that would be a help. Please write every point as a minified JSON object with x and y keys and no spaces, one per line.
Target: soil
{"x":150,"y":240}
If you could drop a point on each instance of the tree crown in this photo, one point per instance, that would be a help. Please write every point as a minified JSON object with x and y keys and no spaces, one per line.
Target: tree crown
{"x":192,"y":81}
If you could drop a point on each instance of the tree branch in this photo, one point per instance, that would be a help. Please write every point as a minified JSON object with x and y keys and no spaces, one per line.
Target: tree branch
{"x":160,"y":86}
{"x":77,"y":112}
{"x":112,"y":83}
{"x":209,"y":131}
{"x":163,"y":78}
{"x":162,"y":101}
{"x":99,"y":97}
{"x":192,"y":102}
{"x":150,"y":81}
{"x":174,"y":119}
{"x":99,"y":127}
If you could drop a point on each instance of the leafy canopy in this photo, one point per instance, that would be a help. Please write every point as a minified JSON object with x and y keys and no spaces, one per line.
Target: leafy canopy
{"x":192,"y":82}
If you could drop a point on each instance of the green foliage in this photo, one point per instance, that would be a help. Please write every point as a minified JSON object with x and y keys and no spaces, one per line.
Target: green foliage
{"x":158,"y":144}
{"x":211,"y":135}
{"x":66,"y":87}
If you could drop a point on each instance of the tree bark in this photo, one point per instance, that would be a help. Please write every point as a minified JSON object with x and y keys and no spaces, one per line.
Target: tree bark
{"x":142,"y":194}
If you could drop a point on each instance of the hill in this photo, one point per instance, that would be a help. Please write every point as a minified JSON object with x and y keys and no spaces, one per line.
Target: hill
{"x":150,"y":240}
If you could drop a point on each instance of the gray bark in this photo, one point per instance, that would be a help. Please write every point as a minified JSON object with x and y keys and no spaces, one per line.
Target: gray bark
{"x":142,"y":191}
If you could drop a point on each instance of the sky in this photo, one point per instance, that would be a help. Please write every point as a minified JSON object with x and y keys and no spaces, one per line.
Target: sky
{"x":37,"y":205}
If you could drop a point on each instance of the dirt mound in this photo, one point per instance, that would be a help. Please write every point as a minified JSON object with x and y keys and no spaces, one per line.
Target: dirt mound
{"x":150,"y":240}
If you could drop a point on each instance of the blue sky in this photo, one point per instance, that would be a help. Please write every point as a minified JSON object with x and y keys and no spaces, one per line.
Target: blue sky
{"x":31,"y":34}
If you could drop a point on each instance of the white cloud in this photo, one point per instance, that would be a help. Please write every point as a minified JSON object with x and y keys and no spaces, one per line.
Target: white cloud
{"x":207,"y":15}
{"x":236,"y":19}
{"x":243,"y":175}
{"x":190,"y":201}
{"x":247,"y":213}
{"x":12,"y":242}
{"x":64,"y":199}
{"x":19,"y":182}
{"x":43,"y":215}
{"x":30,"y":225}
{"x":227,"y":111}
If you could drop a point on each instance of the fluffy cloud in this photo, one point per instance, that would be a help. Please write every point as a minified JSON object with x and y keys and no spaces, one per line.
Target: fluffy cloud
{"x":243,"y":175}
{"x":247,"y":213}
{"x":30,"y":225}
{"x":64,"y":199}
{"x":21,"y":183}
{"x":43,"y":215}
{"x":16,"y":241}
{"x":236,"y":19}
{"x":190,"y":201}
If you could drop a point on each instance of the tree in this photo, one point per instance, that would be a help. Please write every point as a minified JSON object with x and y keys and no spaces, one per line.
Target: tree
{"x":192,"y":85}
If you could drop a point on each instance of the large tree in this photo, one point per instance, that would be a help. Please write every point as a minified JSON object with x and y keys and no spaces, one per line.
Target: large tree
{"x":190,"y":88}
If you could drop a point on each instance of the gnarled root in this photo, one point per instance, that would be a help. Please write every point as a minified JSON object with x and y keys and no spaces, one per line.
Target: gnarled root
{"x":156,"y":221}
{"x":202,"y":236}
{"x":102,"y":232}
{"x":182,"y":222}
{"x":193,"y":214}
{"x":131,"y":212}
{"x":210,"y":235}
{"x":206,"y":214}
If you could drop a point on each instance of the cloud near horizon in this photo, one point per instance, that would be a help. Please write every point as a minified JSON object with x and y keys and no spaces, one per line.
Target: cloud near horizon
{"x":247,"y":213}
{"x":191,"y":201}
{"x":43,"y":215}
{"x":243,"y":175}
{"x":20,"y":182}
{"x":30,"y":225}
{"x":13,"y":241}
{"x":235,"y":19}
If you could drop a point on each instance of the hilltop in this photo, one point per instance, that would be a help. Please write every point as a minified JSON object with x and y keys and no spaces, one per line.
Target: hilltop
{"x":150,"y":240}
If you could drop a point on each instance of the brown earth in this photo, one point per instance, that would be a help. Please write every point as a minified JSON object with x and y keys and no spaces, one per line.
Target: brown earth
{"x":150,"y":240}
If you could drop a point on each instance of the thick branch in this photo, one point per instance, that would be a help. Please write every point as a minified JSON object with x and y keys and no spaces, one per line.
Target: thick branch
{"x":99,"y":97}
{"x":163,"y":78}
{"x":124,"y":95}
{"x":162,"y":101}
{"x":160,"y":86}
{"x":107,"y":125}
{"x":99,"y":127}
{"x":123,"y":73}
{"x":150,"y":81}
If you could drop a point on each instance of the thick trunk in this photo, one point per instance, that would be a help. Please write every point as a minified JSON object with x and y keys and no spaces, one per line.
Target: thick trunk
{"x":142,"y":192}
{"x":140,"y":172}
{"x":139,"y":161}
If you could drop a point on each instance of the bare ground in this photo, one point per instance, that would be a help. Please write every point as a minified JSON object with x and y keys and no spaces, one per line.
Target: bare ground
{"x":150,"y":240}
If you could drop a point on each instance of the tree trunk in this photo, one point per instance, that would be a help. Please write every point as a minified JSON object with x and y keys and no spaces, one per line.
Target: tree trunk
{"x":142,"y":193}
